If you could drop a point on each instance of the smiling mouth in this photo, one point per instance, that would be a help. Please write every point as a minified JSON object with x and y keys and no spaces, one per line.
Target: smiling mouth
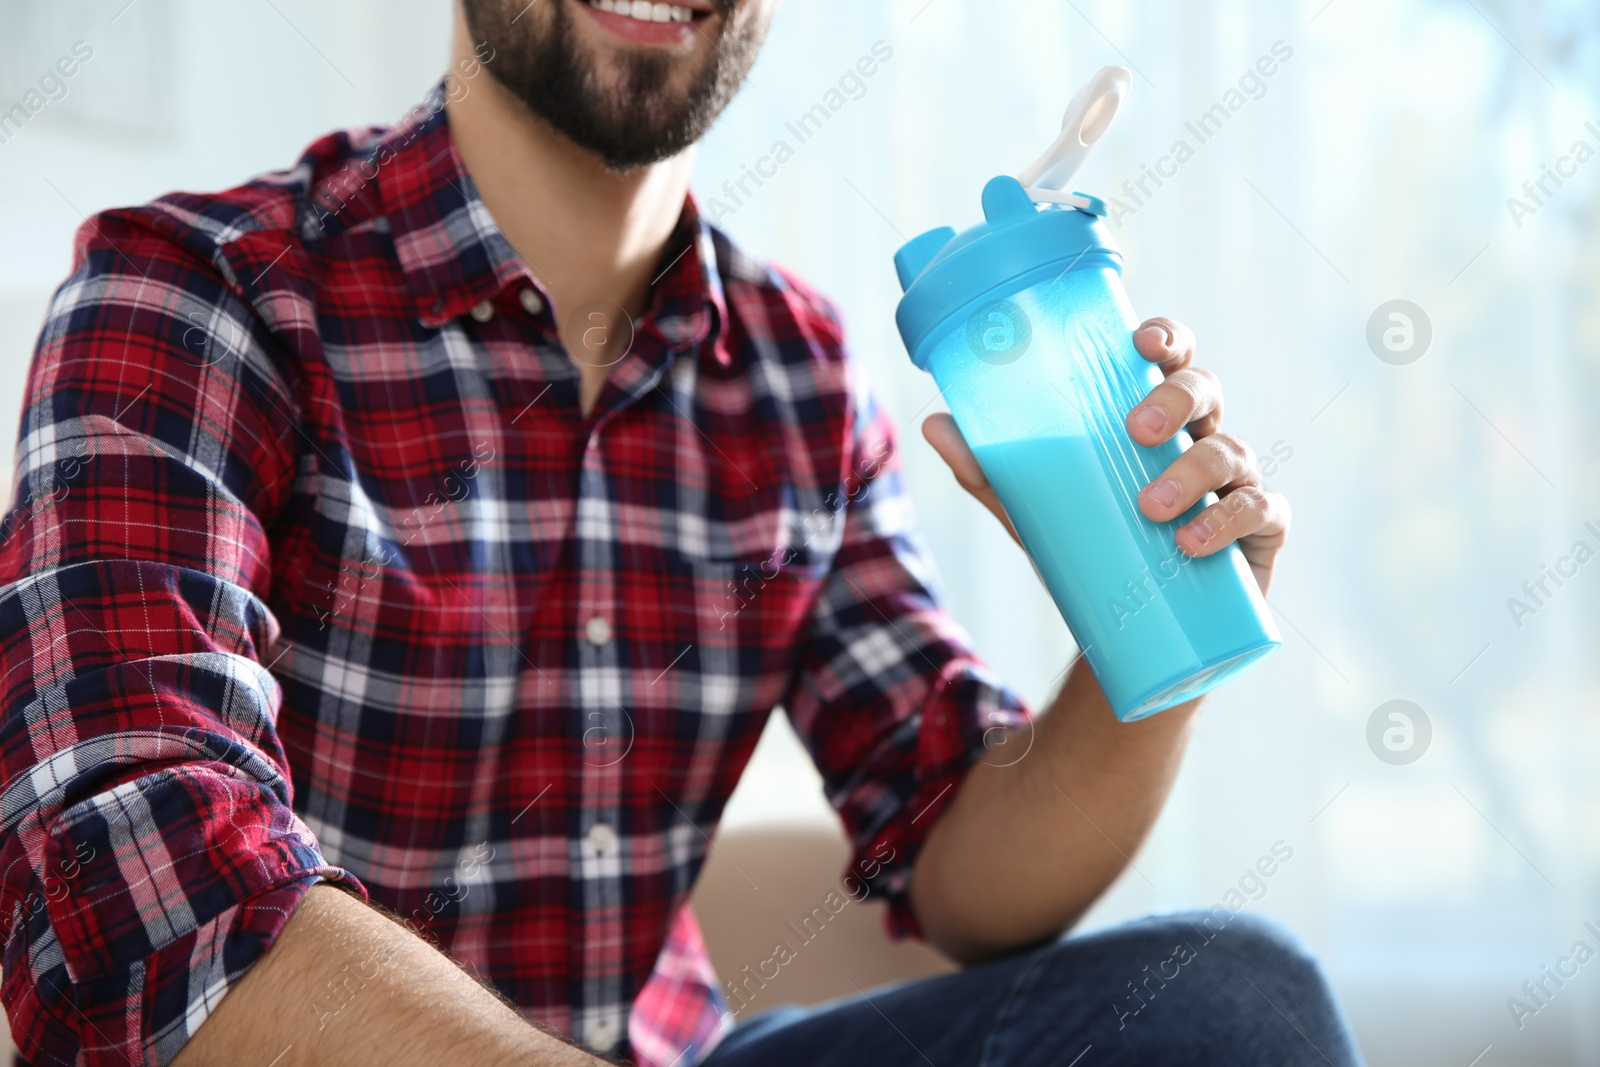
{"x":647,"y":11}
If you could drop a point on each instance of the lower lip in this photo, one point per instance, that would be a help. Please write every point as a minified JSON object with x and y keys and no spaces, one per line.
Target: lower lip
{"x":630,"y":29}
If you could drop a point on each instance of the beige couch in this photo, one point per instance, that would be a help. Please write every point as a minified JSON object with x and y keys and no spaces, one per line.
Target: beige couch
{"x":764,"y":904}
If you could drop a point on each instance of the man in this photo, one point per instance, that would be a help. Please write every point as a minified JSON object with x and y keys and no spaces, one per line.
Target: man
{"x":433,"y":526}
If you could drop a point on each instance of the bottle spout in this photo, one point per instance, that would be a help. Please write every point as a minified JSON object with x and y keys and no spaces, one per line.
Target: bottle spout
{"x":1088,"y":116}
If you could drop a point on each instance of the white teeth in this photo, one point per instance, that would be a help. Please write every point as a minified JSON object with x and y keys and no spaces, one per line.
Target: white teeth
{"x":645,"y":10}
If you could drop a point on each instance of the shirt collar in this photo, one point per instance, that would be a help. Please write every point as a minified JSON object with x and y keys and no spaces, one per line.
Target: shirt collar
{"x":454,"y":257}
{"x":687,"y":304}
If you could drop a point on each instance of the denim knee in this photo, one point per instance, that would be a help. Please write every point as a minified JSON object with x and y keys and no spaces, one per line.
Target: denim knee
{"x":1252,"y":944}
{"x":1238,"y":986}
{"x":1231,"y":952}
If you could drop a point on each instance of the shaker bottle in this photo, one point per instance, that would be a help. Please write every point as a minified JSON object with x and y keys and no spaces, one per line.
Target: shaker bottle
{"x":1023,"y":322}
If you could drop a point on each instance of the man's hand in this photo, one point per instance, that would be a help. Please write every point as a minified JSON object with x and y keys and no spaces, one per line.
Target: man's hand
{"x":1191,"y":397}
{"x":1027,"y":846}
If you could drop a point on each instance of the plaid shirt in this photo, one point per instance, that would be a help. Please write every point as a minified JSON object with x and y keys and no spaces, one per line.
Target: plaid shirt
{"x":316,"y":572}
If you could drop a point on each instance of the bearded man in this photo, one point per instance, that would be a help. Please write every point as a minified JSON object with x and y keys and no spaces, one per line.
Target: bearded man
{"x":408,"y":550}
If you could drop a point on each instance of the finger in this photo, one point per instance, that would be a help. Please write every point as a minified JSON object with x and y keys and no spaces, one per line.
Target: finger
{"x":1257,"y":518}
{"x":1191,"y":397}
{"x":1220,"y":462}
{"x":1162,"y":341}
{"x":941,"y":432}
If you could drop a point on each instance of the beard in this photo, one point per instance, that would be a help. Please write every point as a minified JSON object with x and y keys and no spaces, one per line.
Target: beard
{"x":642,"y":117}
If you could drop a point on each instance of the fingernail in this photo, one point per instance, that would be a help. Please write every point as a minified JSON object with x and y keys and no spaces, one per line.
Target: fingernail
{"x":1158,"y":331}
{"x":1200,"y":530}
{"x":1164,"y":492}
{"x":1151,"y":418}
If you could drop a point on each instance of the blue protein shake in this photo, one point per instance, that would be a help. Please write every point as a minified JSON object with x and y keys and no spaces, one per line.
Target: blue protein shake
{"x":1023,"y":323}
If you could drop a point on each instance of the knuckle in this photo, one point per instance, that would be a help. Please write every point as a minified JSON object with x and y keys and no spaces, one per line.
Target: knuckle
{"x":1223,"y":456}
{"x":1248,"y":498}
{"x":1190,"y":385}
{"x":1241,"y":457}
{"x":1226,"y":443}
{"x":1216,"y":453}
{"x":1208,"y":386}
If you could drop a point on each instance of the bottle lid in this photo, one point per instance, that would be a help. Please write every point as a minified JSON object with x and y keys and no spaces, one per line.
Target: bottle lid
{"x":1031,"y":229}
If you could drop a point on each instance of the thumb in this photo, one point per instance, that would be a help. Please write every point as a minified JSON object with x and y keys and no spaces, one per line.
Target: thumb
{"x":940,"y":431}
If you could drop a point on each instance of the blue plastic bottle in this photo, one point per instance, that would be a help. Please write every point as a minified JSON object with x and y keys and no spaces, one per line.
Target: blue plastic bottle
{"x":1023,"y":322}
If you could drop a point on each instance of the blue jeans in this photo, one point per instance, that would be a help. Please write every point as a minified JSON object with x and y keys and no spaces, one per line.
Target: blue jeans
{"x":1197,"y":988}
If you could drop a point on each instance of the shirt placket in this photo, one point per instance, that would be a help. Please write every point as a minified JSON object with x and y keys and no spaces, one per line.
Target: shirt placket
{"x":606,"y":734}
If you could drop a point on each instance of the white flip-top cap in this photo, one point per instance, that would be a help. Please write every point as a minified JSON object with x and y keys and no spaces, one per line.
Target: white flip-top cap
{"x":1088,"y":117}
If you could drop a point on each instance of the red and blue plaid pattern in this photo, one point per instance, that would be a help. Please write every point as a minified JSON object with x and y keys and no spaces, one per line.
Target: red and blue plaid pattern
{"x":316,"y":571}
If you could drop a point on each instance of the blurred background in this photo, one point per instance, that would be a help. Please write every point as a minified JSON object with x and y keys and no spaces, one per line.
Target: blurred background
{"x":1401,"y":150}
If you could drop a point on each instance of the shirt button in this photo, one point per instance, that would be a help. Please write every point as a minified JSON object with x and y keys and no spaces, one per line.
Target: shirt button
{"x":602,"y":1038}
{"x":602,"y":838}
{"x":483,"y":312}
{"x":532,"y":303}
{"x":598,"y":631}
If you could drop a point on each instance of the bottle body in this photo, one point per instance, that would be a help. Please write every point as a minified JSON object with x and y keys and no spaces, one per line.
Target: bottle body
{"x":1040,"y":384}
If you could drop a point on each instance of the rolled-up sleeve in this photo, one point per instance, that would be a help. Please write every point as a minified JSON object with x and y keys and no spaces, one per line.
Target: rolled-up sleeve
{"x":148,"y":850}
{"x":889,"y":697}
